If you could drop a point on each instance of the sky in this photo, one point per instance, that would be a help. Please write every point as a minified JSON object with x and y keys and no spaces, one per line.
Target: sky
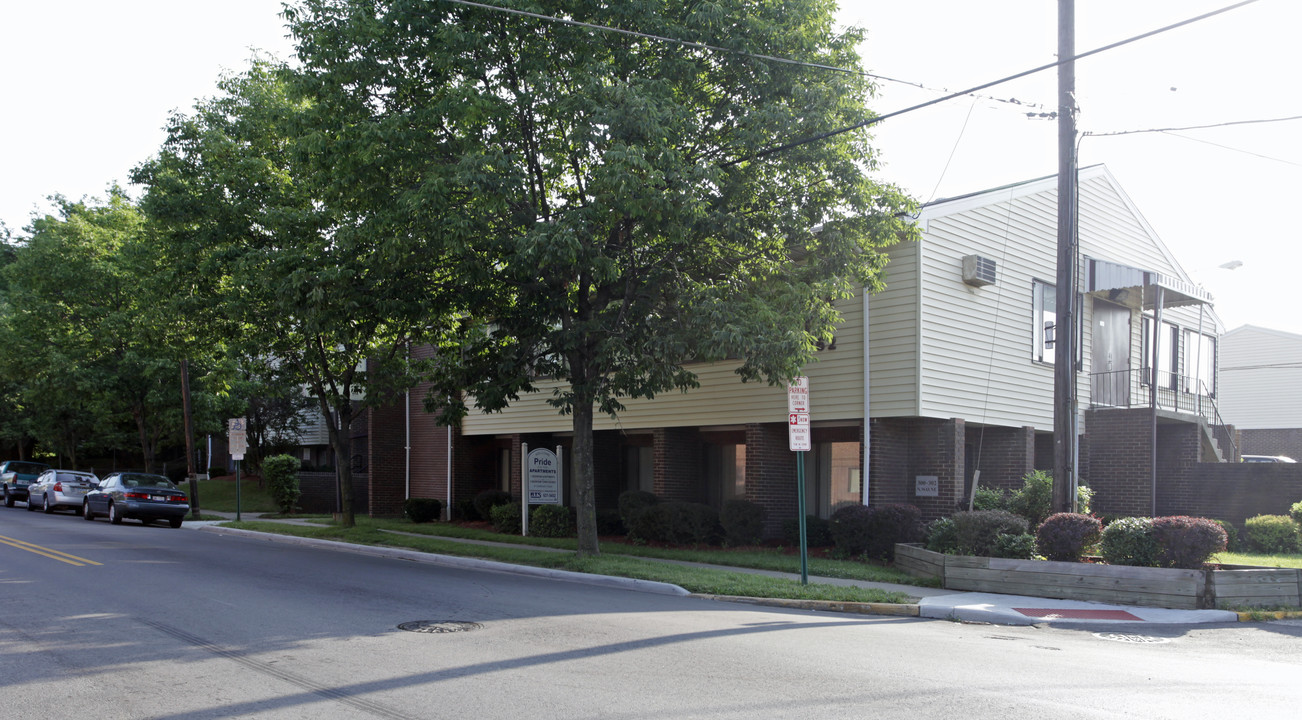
{"x":86,"y":88}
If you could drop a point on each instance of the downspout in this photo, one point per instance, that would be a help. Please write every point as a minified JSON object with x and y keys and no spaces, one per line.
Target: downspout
{"x":867,"y":404}
{"x":448,"y":506}
{"x":407,"y":472}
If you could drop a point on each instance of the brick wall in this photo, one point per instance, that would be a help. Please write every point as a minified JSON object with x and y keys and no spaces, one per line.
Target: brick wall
{"x":771,"y":474}
{"x":1003,"y":455}
{"x":678,"y":462}
{"x":386,"y":455}
{"x":1230,"y":491}
{"x":1284,"y":441}
{"x":319,"y":493}
{"x":889,"y":460}
{"x":1120,"y":460}
{"x":937,"y":449}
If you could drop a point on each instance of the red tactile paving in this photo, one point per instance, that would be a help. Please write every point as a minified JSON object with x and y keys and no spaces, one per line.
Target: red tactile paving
{"x":1074,"y":614}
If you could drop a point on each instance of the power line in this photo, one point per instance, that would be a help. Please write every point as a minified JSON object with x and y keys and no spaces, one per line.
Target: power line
{"x":1032,"y":71}
{"x":1173,"y":131}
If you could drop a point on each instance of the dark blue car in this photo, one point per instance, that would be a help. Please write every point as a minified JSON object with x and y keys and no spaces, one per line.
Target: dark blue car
{"x":16,"y":475}
{"x":141,"y":496}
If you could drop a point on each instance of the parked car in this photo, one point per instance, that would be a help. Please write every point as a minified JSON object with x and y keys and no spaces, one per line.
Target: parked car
{"x":141,"y":496}
{"x":1268,"y":458}
{"x":16,"y":475}
{"x":56,"y":489}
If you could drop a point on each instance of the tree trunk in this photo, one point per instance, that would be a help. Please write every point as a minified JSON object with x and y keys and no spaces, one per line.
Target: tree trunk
{"x":584,"y":479}
{"x":189,"y":438}
{"x":341,"y":440}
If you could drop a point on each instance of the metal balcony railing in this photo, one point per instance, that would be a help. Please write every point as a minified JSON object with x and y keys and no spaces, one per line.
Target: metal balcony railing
{"x":1181,"y":393}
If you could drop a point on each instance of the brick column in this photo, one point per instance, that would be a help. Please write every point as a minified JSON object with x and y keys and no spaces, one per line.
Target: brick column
{"x":676,"y":455}
{"x":938,"y":450}
{"x":1120,"y":461}
{"x":771,"y":474}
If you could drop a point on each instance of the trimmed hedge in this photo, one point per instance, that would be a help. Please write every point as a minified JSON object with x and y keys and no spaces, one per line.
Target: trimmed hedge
{"x":1295,"y":512}
{"x":609,"y":522}
{"x":676,"y":523}
{"x":849,"y":526}
{"x":1064,"y":536}
{"x":942,"y":536}
{"x":818,"y":532}
{"x":1274,"y":534}
{"x":486,"y":500}
{"x":890,"y":524}
{"x":1129,"y":541}
{"x":506,"y":517}
{"x":976,"y":532}
{"x":1016,"y":547}
{"x":742,"y":521}
{"x":422,"y":510}
{"x":631,"y":503}
{"x":280,"y":473}
{"x":1187,"y":542}
{"x":550,"y":521}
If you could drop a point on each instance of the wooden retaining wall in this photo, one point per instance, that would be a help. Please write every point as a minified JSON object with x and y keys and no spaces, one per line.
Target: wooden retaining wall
{"x":1153,"y":587}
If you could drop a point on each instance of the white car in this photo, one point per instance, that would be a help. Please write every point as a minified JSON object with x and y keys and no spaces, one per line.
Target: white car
{"x":60,"y":489}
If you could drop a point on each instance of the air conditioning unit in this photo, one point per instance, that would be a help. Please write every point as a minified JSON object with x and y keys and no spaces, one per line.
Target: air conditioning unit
{"x":978,"y":271}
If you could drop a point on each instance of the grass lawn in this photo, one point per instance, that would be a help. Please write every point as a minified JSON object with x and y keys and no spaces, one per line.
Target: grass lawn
{"x":617,"y":560}
{"x":220,"y":495}
{"x":1238,"y":558}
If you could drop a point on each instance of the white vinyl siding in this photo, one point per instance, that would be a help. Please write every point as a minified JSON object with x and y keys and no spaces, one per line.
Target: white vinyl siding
{"x":1260,"y":379}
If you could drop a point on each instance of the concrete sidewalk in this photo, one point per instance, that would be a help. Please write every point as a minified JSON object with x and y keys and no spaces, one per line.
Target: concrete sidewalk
{"x":935,"y":603}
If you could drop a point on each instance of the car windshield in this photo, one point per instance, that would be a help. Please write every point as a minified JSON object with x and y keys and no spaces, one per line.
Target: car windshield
{"x":28,"y":468}
{"x":73,"y":477}
{"x":146,"y":480}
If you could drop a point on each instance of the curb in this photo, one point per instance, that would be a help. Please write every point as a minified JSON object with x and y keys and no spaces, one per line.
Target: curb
{"x":649,"y":586}
{"x":856,"y":608}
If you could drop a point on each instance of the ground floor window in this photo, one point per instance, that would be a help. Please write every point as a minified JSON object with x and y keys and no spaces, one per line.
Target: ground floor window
{"x":725,"y":472}
{"x":638,"y":468}
{"x":832,"y":476}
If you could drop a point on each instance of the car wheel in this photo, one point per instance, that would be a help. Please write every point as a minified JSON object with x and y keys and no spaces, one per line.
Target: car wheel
{"x":175,"y":522}
{"x":45,"y":505}
{"x":9,"y":499}
{"x":85,"y":511}
{"x":30,"y":506}
{"x":113,"y":515}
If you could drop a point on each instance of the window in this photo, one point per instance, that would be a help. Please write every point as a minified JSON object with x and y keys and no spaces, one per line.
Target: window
{"x":1044,"y":303}
{"x":1199,"y":363}
{"x":504,"y":469}
{"x":832,"y":476}
{"x":638,"y":468}
{"x":725,"y":470}
{"x":1168,"y":369}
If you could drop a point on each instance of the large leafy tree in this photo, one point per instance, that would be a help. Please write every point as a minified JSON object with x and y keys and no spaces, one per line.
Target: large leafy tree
{"x":599,"y":190}
{"x":282,"y":264}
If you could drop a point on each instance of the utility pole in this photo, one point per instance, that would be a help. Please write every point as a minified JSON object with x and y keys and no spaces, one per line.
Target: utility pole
{"x":189,"y":438}
{"x":1067,"y":320}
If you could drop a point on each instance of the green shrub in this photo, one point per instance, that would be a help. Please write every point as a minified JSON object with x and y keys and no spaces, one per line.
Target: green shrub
{"x":465,"y":510}
{"x":550,"y":521}
{"x":609,"y":522}
{"x":742,"y":521}
{"x":818,"y":532}
{"x":1016,"y":547}
{"x":677,"y":523}
{"x":976,"y":532}
{"x":1129,"y":541}
{"x":1034,"y":501}
{"x":486,"y":500}
{"x":987,"y":498}
{"x":422,"y":510}
{"x":1064,"y":536}
{"x":280,"y":474}
{"x":633,"y":502}
{"x":506,"y":517}
{"x":889,"y":524}
{"x":1231,"y":535}
{"x":1187,"y":542}
{"x":850,"y":527}
{"x":1272,"y":534}
{"x":218,"y":471}
{"x":1295,"y":512}
{"x":942,"y":536}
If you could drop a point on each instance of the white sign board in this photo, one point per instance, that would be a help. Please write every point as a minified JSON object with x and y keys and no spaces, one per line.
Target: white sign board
{"x":798,"y":396}
{"x":543,"y":472}
{"x":926,"y":486}
{"x":798,"y":432}
{"x":237,"y":437}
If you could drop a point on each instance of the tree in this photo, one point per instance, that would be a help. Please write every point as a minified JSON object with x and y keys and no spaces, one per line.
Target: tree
{"x":593,"y":190}
{"x":277,"y":264}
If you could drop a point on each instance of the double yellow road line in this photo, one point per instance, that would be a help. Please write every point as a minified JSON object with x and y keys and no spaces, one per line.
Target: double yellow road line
{"x":47,"y":552}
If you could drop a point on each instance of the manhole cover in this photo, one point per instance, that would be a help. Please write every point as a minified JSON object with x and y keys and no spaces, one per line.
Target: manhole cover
{"x":1129,"y":638}
{"x":439,"y":626}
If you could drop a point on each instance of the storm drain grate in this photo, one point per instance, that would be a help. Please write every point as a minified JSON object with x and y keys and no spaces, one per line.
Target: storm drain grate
{"x":1130,"y":638}
{"x":439,"y":626}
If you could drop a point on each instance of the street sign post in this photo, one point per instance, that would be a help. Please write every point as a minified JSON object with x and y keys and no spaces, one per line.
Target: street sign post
{"x":800,"y":440}
{"x":237,"y":438}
